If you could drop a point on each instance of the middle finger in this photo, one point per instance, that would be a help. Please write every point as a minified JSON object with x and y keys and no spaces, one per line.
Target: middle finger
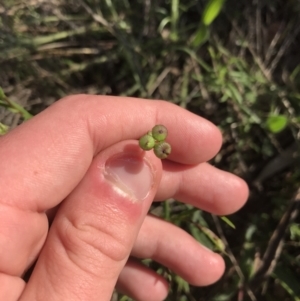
{"x":202,"y":186}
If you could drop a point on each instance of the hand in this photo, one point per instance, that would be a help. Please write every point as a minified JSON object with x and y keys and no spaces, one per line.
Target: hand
{"x":77,"y":163}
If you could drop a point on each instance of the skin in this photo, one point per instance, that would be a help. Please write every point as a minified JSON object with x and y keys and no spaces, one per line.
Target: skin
{"x":54,"y":165}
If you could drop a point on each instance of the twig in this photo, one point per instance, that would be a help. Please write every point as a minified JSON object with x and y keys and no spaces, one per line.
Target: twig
{"x":258,"y":27}
{"x":158,"y":81}
{"x":283,"y":49}
{"x":284,"y":159}
{"x":276,"y":243}
{"x":204,"y":93}
{"x":232,"y":258}
{"x":256,"y":58}
{"x":273,"y":44}
{"x":97,"y":17}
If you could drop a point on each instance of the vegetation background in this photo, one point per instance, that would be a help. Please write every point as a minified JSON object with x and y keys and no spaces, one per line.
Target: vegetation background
{"x":236,"y":63}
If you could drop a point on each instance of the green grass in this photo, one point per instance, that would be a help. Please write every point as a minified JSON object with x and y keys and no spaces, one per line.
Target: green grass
{"x":238,"y":67}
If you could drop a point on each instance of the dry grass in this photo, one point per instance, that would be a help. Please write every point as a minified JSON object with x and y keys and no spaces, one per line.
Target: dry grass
{"x":245,"y":78}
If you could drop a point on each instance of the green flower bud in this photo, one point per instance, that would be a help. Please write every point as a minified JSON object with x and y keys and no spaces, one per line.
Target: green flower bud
{"x":147,"y":142}
{"x":162,"y":150}
{"x":159,"y":132}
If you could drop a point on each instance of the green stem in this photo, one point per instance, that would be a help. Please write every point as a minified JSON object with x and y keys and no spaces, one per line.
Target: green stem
{"x":25,"y":114}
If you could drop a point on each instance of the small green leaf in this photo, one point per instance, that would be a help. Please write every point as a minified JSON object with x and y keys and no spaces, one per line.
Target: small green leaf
{"x":227,"y":221}
{"x":200,"y":36}
{"x":3,"y":128}
{"x":211,"y":11}
{"x":214,"y":238}
{"x":163,"y":24}
{"x":183,"y":286}
{"x":276,"y":124}
{"x":295,"y":231}
{"x":2,"y":95}
{"x":288,"y":279}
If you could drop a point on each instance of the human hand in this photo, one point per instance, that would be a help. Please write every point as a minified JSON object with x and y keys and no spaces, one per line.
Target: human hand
{"x":77,"y":161}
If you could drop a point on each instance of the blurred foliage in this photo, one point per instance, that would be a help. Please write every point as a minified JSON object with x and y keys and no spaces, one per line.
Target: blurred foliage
{"x":236,"y":63}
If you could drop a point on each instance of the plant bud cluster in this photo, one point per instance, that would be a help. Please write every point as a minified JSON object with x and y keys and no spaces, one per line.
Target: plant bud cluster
{"x":155,"y":139}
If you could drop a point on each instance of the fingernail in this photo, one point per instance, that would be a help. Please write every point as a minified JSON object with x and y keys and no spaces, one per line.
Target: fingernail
{"x":129,"y":175}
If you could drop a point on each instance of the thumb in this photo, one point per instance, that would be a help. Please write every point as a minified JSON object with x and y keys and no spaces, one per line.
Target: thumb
{"x":95,"y":227}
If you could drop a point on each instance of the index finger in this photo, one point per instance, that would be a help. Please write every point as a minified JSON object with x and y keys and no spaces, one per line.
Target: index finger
{"x":42,"y":160}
